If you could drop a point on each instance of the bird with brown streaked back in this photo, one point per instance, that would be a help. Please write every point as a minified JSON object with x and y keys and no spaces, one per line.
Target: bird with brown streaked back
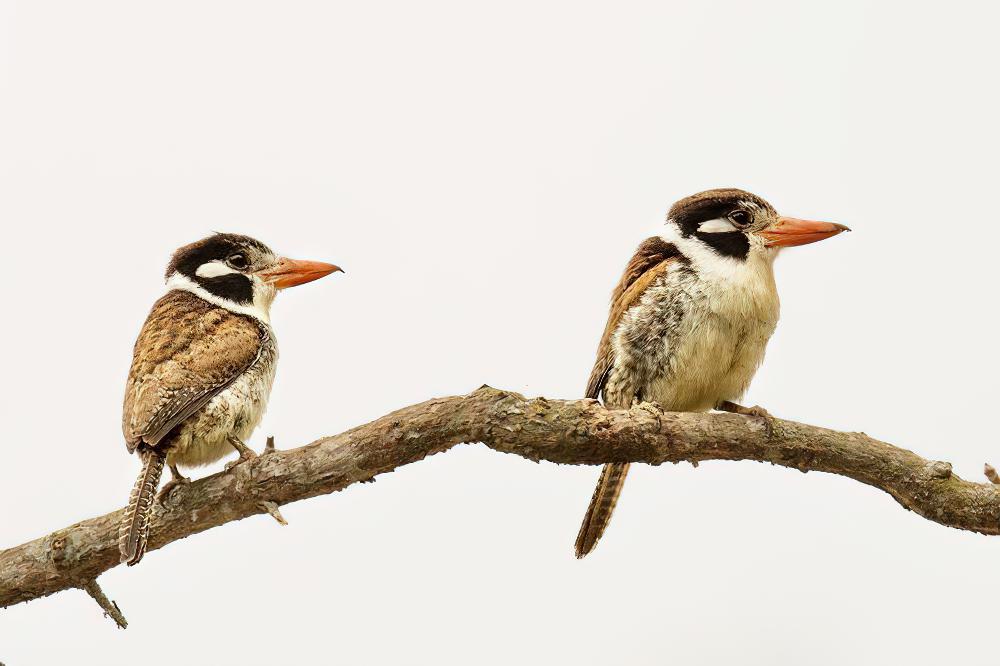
{"x":690,"y":318}
{"x":203,"y":365}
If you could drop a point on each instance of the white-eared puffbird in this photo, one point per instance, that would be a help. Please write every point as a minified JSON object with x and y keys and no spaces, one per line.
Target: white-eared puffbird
{"x":690,"y":318}
{"x":203,"y":364}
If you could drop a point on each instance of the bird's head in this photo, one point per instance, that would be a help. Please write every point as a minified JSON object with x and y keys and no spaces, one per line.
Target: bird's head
{"x":239,"y":272}
{"x":738,"y":225}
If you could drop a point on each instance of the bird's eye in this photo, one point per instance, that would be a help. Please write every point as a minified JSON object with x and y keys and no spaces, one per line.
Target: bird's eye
{"x":740,"y":218}
{"x":238,"y":261}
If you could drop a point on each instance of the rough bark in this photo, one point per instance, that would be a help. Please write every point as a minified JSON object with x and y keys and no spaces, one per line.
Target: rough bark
{"x":579,"y":432}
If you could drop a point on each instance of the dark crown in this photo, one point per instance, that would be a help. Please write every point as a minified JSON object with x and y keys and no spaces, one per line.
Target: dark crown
{"x":236,"y":286}
{"x":690,"y":212}
{"x":188,"y":258}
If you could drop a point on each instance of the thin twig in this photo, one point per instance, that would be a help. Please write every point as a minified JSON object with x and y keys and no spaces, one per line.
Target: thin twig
{"x":272,"y":508}
{"x":109,"y":607}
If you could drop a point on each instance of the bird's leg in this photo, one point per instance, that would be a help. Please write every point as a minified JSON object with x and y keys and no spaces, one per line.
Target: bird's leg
{"x":653,"y":409}
{"x":246,"y":453}
{"x":176,"y":479}
{"x":756,"y":411}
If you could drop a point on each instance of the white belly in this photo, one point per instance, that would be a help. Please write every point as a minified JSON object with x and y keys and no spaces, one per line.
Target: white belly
{"x":714,"y":361}
{"x":236,"y":411}
{"x":695,"y":338}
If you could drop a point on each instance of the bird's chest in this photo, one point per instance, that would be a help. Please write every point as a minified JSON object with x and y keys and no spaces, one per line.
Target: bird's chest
{"x":235,"y":411}
{"x":695,"y":339}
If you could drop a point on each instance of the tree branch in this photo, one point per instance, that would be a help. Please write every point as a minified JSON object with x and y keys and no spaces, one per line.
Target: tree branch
{"x":579,"y":432}
{"x":109,"y":607}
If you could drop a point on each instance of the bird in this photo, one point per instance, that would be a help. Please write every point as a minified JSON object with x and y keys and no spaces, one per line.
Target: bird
{"x":202,"y":365}
{"x":690,"y":319}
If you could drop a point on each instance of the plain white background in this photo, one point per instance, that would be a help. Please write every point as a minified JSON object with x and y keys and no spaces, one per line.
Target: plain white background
{"x":483,"y":172}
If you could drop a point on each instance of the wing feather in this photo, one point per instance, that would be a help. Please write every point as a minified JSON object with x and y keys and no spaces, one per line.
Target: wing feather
{"x":651,"y":259}
{"x":187,"y":352}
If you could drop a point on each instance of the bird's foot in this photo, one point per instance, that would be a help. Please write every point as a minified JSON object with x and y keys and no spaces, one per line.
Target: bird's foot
{"x":655,"y":410}
{"x":246,"y":453}
{"x":756,"y":411}
{"x":176,"y":480}
{"x":239,"y":461}
{"x":169,"y":487}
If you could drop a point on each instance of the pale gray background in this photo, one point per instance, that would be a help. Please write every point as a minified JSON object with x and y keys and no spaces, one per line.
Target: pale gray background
{"x":483,"y":172}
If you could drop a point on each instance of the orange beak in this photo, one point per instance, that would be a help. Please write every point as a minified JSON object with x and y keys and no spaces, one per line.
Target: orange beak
{"x":293,"y":272}
{"x":788,"y":232}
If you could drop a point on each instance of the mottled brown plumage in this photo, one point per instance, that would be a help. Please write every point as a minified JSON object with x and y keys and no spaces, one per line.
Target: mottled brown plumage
{"x":203,"y":364}
{"x":651,"y":259}
{"x":691,"y":317}
{"x":188,"y":351}
{"x":134,"y":531}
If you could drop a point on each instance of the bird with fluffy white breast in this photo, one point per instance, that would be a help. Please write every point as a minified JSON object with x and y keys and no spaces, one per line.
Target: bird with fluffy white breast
{"x":690,"y":318}
{"x":203,"y":365}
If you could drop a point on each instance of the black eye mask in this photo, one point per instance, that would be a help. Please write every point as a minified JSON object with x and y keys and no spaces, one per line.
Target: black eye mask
{"x":235,"y":287}
{"x":733,"y":244}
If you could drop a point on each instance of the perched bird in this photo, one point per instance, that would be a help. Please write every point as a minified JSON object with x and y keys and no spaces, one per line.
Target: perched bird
{"x":203,"y":365}
{"x":690,"y":318}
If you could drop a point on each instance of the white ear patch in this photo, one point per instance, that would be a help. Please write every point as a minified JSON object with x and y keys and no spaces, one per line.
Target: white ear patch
{"x":213,"y":269}
{"x":719,"y":225}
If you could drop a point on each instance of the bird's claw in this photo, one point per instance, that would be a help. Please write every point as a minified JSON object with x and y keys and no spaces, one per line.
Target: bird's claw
{"x":244,"y":457}
{"x":756,"y":412}
{"x":169,"y":487}
{"x":653,"y":409}
{"x":764,"y":416}
{"x":246,"y":453}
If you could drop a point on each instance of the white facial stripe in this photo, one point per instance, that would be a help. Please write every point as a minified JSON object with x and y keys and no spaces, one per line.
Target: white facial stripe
{"x":214,"y":269}
{"x":259,"y":309}
{"x":710,"y":264}
{"x":719,"y":225}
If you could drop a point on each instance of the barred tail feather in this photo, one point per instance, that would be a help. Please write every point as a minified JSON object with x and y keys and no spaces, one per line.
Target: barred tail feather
{"x":602,"y":504}
{"x":134,"y":529}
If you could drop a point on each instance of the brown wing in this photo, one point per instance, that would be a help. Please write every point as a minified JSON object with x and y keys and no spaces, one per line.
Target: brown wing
{"x":650,"y":260}
{"x":187,"y":352}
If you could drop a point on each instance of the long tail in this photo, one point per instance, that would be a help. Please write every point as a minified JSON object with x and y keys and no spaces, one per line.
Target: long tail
{"x":602,"y":504}
{"x":134,"y":529}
